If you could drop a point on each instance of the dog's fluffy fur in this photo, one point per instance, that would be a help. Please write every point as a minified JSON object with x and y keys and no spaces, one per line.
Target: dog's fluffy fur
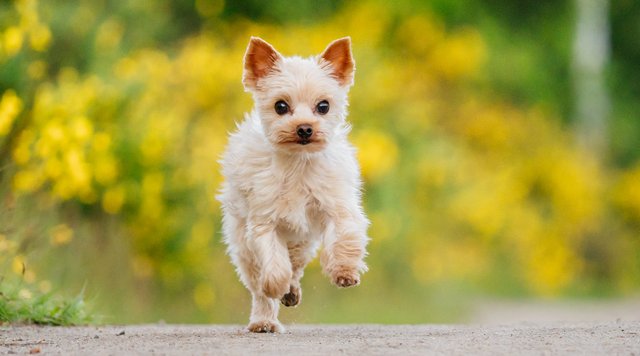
{"x":285,"y":194}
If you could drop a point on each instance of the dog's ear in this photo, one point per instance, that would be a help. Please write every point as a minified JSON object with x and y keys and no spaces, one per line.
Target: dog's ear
{"x":338,"y":56}
{"x":259,"y":60}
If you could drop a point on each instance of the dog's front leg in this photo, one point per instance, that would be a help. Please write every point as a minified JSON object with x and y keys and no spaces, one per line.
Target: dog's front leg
{"x":345,"y":240}
{"x":273,"y":258}
{"x":264,"y":314}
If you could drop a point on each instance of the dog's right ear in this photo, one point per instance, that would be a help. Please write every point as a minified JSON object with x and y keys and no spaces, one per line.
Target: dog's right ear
{"x":259,"y":60}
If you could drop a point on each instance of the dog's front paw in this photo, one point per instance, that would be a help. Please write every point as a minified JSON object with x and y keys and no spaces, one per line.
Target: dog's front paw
{"x":266,"y":326}
{"x":292,"y":298}
{"x":344,"y":277}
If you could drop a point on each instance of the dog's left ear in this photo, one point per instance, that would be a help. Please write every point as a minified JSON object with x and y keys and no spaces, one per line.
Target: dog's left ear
{"x":338,"y":56}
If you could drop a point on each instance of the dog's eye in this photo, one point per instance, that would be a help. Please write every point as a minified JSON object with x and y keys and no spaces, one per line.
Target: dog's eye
{"x":322,"y":107}
{"x":281,"y":107}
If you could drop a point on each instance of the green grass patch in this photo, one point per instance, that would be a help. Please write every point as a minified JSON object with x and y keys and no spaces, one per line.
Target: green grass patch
{"x":21,"y":305}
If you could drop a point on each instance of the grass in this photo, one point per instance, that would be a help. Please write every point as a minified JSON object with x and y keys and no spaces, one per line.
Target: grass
{"x":20,"y":305}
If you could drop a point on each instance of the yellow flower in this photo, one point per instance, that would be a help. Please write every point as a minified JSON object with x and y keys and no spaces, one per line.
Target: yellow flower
{"x":101,"y":142}
{"x":79,"y":173}
{"x":53,"y":132}
{"x":40,"y":38}
{"x":12,"y":40}
{"x":154,"y":146}
{"x":63,"y":189}
{"x":22,"y":151}
{"x":377,"y":153}
{"x":113,"y":199}
{"x":82,"y":128}
{"x":10,"y":107}
{"x":18,"y":265}
{"x":60,"y":235}
{"x":53,"y":168}
{"x":105,"y":170}
{"x":26,"y":181}
{"x":626,"y":193}
{"x":552,"y":266}
{"x":459,"y":55}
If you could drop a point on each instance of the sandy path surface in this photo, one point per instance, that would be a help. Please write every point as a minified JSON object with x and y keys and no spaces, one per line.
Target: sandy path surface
{"x":592,"y":338}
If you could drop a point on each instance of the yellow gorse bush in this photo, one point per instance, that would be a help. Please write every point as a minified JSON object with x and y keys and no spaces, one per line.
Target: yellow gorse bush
{"x":10,"y":107}
{"x":460,"y":185}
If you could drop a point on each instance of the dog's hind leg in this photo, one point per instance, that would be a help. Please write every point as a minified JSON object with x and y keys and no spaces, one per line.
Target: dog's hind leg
{"x":300,"y":254}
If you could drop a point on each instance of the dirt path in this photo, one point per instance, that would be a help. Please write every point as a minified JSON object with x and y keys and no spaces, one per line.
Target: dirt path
{"x":605,"y":338}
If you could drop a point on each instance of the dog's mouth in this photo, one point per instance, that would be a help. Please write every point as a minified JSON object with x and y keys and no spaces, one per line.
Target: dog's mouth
{"x":294,"y":142}
{"x":299,"y":141}
{"x":304,"y":145}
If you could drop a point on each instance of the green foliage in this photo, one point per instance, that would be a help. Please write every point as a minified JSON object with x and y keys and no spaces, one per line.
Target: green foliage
{"x":19,"y":304}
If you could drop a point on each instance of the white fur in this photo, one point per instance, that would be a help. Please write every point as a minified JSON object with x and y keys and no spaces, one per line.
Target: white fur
{"x":281,"y":201}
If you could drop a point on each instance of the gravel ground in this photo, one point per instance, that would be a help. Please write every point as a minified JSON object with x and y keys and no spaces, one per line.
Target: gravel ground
{"x":591,"y":338}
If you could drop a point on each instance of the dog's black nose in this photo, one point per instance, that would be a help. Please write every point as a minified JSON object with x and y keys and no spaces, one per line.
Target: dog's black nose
{"x":304,"y":131}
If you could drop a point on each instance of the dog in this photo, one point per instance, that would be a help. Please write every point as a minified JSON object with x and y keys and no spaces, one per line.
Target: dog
{"x":291,"y":179}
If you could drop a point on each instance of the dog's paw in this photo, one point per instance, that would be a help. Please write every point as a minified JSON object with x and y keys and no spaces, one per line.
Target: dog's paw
{"x":292,"y":298}
{"x":346,"y":278}
{"x":274,"y":286}
{"x":344,"y":282}
{"x":266,"y":326}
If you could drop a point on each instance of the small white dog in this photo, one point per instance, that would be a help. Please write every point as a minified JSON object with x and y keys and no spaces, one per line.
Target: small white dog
{"x":292,"y":180}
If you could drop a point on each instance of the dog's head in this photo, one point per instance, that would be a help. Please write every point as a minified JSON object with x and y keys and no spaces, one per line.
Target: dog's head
{"x":302,"y":102}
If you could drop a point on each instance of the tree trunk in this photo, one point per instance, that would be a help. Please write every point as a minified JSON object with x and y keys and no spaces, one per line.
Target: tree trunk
{"x":591,"y":52}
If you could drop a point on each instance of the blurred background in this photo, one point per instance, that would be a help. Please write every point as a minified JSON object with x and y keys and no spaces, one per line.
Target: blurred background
{"x":499,"y":142}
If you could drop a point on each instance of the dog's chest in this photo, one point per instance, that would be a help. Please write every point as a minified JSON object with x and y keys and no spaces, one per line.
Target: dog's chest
{"x":297,"y":209}
{"x":298,"y":204}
